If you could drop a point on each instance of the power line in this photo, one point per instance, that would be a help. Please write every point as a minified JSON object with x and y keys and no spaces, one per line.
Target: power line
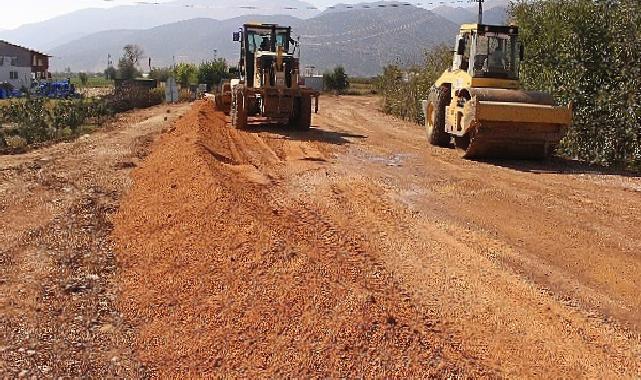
{"x":362,"y":38}
{"x":253,"y":7}
{"x":360,"y":31}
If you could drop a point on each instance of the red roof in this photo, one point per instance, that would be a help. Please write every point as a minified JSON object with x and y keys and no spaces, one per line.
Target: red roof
{"x":26,"y":48}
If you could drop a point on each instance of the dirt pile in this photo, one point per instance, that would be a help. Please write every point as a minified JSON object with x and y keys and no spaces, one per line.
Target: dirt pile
{"x":222,"y":273}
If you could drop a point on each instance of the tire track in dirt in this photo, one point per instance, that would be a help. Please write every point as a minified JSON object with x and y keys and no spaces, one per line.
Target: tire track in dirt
{"x":419,"y":253}
{"x":504,"y":280}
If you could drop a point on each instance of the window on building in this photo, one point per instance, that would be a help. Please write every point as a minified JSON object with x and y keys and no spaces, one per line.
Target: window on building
{"x":1,"y":61}
{"x":14,"y":61}
{"x":13,"y":75}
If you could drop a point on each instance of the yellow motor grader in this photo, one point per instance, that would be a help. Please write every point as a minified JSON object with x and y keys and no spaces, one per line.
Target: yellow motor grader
{"x":269,"y":90}
{"x":479,"y":104}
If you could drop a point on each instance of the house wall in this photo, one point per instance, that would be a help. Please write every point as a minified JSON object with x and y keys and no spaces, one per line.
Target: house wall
{"x":39,"y":65}
{"x":23,"y":75}
{"x":315,"y":82}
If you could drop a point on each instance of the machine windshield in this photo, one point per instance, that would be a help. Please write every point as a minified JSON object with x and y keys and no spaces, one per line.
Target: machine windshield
{"x":261,"y":40}
{"x":257,"y":41}
{"x":496,"y":56}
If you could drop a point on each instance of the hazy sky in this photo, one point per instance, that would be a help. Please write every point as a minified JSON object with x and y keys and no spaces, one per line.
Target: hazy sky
{"x":18,"y":12}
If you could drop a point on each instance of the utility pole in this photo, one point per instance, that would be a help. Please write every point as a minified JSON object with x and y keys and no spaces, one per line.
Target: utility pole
{"x":109,"y":65}
{"x":480,"y":10}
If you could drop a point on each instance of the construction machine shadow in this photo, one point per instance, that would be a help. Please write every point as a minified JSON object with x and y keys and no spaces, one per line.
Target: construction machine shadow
{"x":314,"y":134}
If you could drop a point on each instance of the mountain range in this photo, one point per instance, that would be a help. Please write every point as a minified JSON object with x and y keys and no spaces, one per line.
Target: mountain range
{"x":144,"y":15}
{"x":362,"y":37}
{"x":363,"y":41}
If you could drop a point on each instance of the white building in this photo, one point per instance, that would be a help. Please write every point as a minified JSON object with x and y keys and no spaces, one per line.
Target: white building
{"x":19,"y":66}
{"x":313,"y":79}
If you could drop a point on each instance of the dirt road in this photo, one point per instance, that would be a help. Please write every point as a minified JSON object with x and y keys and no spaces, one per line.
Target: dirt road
{"x":350,"y":250}
{"x":354,"y":249}
{"x":57,"y":265}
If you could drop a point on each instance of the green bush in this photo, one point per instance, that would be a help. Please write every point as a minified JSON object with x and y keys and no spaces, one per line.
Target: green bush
{"x":15,"y":142}
{"x":161,"y":74}
{"x":37,"y":120}
{"x":403,"y":90}
{"x":587,"y":52}
{"x":336,"y":80}
{"x":32,"y":119}
{"x":70,"y":114}
{"x":131,"y":96}
{"x":84,"y":78}
{"x":186,"y":74}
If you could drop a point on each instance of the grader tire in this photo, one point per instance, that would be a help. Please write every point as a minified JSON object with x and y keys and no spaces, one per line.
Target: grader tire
{"x":438,"y":99}
{"x":302,"y":118}
{"x":239,"y":119}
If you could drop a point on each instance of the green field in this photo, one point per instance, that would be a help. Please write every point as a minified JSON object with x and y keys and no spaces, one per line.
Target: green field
{"x":93,"y":81}
{"x":361,"y":86}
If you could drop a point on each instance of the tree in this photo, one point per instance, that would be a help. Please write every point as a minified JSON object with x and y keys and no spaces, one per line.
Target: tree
{"x":213,"y":73}
{"x":133,"y":54}
{"x":186,"y":74}
{"x":126,"y":70}
{"x":586,"y":52}
{"x":160,"y":74}
{"x":403,"y":90}
{"x":110,"y":72}
{"x":84,"y":78}
{"x":128,"y":63}
{"x":336,"y":80}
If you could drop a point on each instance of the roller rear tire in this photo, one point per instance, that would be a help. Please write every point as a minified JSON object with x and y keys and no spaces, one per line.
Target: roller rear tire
{"x":435,"y":117}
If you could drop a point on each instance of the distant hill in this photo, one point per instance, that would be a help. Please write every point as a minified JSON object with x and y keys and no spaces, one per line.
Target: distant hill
{"x":185,"y":41}
{"x":363,"y":40}
{"x":60,"y":30}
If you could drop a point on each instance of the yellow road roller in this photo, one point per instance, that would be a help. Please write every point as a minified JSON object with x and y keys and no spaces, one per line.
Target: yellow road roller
{"x":479,"y":105}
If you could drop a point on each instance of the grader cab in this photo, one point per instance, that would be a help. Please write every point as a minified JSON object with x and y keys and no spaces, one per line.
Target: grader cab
{"x":270,"y":90}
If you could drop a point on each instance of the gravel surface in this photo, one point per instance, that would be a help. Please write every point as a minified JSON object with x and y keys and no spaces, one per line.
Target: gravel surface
{"x":239,"y":281}
{"x":355,"y":250}
{"x":57,"y":265}
{"x":351,"y":250}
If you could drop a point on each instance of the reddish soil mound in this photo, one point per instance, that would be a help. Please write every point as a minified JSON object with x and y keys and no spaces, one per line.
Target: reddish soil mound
{"x":223,"y":273}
